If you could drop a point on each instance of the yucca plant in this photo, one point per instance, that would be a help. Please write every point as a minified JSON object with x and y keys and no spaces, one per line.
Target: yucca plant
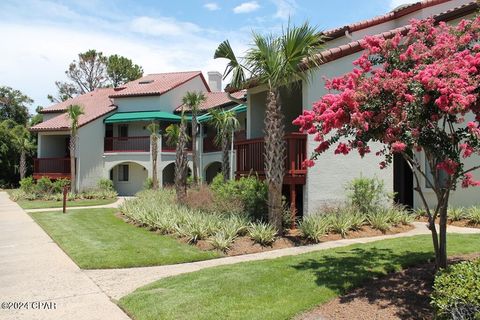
{"x":221,"y":241}
{"x":262,"y":233}
{"x":341,"y":223}
{"x":379,"y":220}
{"x":456,"y":213}
{"x":474,"y":215}
{"x":194,"y":229}
{"x":314,"y":227}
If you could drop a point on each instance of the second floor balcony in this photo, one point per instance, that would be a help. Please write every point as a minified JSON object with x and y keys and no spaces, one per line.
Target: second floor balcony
{"x":127,"y":144}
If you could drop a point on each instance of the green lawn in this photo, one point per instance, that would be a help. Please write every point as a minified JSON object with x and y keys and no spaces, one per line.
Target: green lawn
{"x":43,"y":204}
{"x":281,"y":288}
{"x":95,"y":238}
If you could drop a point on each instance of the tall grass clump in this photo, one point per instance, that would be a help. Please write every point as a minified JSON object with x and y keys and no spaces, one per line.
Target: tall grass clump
{"x":314,"y":227}
{"x":262,"y":233}
{"x":456,"y":213}
{"x":473,"y":215}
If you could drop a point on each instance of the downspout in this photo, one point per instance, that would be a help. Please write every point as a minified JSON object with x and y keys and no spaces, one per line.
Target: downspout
{"x":231,"y":154}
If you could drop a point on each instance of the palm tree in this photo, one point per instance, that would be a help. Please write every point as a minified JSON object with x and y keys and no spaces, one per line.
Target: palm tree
{"x":74,"y":112}
{"x":226,"y":123}
{"x":193,"y":100}
{"x":24,"y":145}
{"x":274,"y":62}
{"x":181,"y":162}
{"x":153,"y":128}
{"x":172,"y":132}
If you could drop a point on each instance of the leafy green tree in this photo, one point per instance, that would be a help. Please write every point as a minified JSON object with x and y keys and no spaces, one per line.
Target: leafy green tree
{"x":226,"y":123}
{"x":24,"y":144}
{"x":172,"y":132}
{"x":8,"y":153}
{"x":73,"y":112}
{"x":14,"y":105}
{"x":275,"y":62}
{"x":121,"y":70}
{"x":193,"y":100}
{"x":36,"y":118}
{"x":154,"y":128}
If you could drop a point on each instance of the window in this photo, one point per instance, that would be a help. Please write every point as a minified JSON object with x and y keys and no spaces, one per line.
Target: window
{"x":442,"y":176}
{"x":123,"y":131}
{"x":123,"y":172}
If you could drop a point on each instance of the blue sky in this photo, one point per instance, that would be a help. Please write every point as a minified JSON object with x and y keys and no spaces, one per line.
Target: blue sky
{"x":40,"y":38}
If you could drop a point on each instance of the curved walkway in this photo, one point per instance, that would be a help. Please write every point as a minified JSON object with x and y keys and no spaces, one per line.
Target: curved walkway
{"x":119,"y":282}
{"x":115,"y":204}
{"x":34,"y":269}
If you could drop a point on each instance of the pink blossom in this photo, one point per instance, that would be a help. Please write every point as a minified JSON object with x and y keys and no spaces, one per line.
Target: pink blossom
{"x":308,"y":163}
{"x":449,"y":166}
{"x":469,"y":182}
{"x":398,"y":146}
{"x":342,"y":148}
{"x":467,"y":150}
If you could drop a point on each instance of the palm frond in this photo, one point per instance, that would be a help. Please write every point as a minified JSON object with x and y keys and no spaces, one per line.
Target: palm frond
{"x":234,"y":66}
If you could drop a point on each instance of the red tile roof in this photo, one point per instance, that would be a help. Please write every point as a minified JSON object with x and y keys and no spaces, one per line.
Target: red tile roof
{"x":392,"y":15}
{"x":156,"y":84}
{"x":216,"y":99}
{"x":95,"y":105}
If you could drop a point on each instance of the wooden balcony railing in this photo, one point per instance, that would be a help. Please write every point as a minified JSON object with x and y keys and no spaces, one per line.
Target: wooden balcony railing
{"x":209,"y":142}
{"x":53,"y":168}
{"x":127,"y":144}
{"x":171,"y":148}
{"x":251,"y":156}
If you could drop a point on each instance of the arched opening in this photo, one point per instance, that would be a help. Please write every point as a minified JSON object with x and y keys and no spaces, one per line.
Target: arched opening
{"x":168,"y":175}
{"x":212,"y":170}
{"x":128,"y":178}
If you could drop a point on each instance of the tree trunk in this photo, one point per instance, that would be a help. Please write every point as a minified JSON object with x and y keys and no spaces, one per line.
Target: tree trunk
{"x":442,"y":246}
{"x":154,"y":143}
{"x":225,"y":157}
{"x":194,"y":150}
{"x":274,"y":158}
{"x":73,"y":174}
{"x":181,"y":165}
{"x":23,"y":164}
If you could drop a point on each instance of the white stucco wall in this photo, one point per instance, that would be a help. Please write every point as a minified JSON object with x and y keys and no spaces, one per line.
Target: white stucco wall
{"x":326,"y":181}
{"x":52,"y":145}
{"x":137,"y":176}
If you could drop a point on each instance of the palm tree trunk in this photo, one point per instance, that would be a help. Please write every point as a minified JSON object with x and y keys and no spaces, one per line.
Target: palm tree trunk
{"x":225,"y":157}
{"x":23,"y":164}
{"x":73,"y":174}
{"x":194,"y":150}
{"x":154,"y":142}
{"x":274,"y":158}
{"x":181,"y":165}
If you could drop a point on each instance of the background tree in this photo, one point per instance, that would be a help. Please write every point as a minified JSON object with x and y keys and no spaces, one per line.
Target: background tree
{"x":93,"y":70}
{"x":193,"y":100}
{"x":73,"y":112}
{"x":14,"y":105}
{"x":8,"y":154}
{"x":121,"y":70}
{"x":181,"y":162}
{"x":412,"y":94}
{"x":274,"y":61}
{"x":24,"y":144}
{"x":225,"y":122}
{"x":153,"y":128}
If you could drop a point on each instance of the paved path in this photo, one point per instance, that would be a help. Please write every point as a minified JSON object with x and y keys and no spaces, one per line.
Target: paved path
{"x":119,"y":282}
{"x":115,"y":204}
{"x":34,"y":268}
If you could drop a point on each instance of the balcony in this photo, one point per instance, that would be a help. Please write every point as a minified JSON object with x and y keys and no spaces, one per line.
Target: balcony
{"x":127,"y":144}
{"x":210,"y":146}
{"x":53,"y":168}
{"x":250,"y":157}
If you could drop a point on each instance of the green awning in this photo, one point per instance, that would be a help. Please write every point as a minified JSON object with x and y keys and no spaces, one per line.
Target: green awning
{"x":142,"y":116}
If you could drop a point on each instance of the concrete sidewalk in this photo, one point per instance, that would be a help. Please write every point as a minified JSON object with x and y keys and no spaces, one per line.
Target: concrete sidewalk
{"x":33,"y":268}
{"x":115,"y":204}
{"x":117,"y":283}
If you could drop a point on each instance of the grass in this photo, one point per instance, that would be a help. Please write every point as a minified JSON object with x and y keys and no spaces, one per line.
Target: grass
{"x":283,"y":287}
{"x":95,"y":239}
{"x":46,"y":204}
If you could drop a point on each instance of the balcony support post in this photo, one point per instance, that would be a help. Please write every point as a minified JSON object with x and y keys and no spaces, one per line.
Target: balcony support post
{"x":293,"y":205}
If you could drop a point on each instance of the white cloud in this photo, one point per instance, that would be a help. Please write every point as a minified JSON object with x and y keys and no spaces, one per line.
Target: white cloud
{"x":162,"y":26}
{"x":212,"y":6}
{"x":396,"y":3}
{"x":246,"y":7}
{"x":285,"y":8}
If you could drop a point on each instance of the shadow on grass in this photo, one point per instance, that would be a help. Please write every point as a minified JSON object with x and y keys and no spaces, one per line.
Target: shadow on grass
{"x":344,"y":270}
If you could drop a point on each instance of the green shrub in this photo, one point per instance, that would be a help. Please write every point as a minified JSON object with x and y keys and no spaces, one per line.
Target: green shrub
{"x":379,"y":220}
{"x":221,"y":241}
{"x":148,"y":184}
{"x":250,"y":191}
{"x":456,"y":291}
{"x":314,"y":227}
{"x":366,"y":194}
{"x":262,"y":233}
{"x":473,"y":215}
{"x":456,"y":214}
{"x":44,"y":186}
{"x":59,"y":184}
{"x":105,"y":185}
{"x":27,"y":185}
{"x":17,"y":194}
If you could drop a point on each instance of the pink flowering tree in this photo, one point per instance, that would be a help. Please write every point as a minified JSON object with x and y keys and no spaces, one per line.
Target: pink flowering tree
{"x":413,"y":93}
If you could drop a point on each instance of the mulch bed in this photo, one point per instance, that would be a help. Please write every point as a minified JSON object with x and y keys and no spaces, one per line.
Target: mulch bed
{"x":460,"y":223}
{"x":401,"y":295}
